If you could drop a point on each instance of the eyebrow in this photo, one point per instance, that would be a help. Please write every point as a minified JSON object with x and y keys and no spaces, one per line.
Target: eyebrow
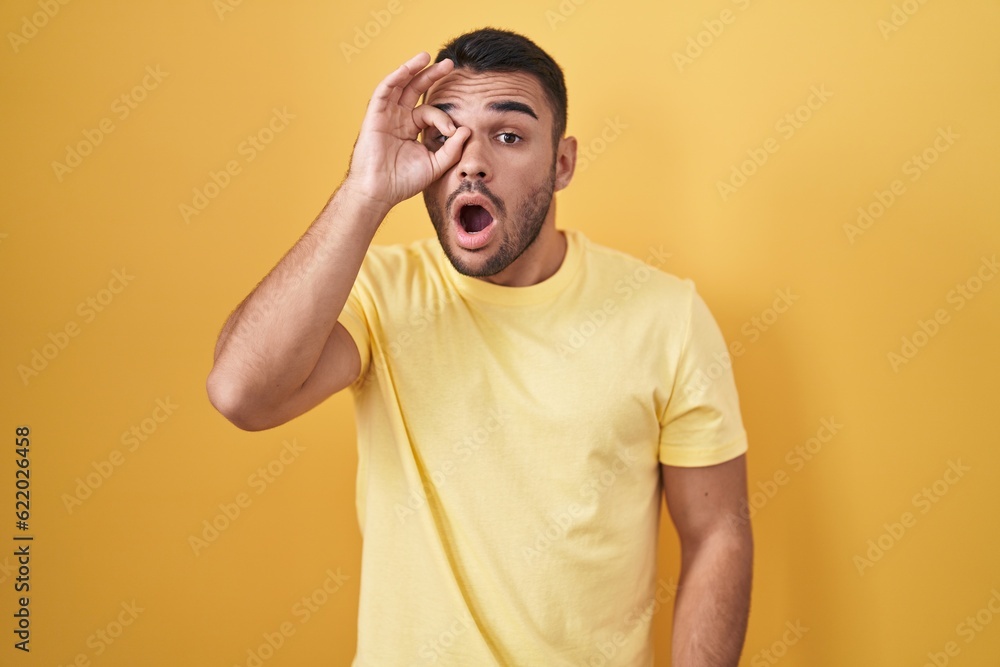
{"x":497,"y":107}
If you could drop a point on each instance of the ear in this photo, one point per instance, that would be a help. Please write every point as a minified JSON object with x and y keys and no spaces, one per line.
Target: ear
{"x":565,"y":162}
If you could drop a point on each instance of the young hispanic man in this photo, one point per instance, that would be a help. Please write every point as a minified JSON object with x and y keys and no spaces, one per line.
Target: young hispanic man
{"x":524,"y":397}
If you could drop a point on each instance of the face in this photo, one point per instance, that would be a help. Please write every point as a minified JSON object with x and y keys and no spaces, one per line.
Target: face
{"x":492,"y":210}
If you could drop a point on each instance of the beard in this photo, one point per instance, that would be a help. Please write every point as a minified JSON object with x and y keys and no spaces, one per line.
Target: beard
{"x":517,"y":232}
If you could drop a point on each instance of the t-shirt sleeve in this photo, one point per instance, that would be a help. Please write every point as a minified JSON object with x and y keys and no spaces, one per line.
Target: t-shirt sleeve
{"x":354,"y":320}
{"x":701,"y":424}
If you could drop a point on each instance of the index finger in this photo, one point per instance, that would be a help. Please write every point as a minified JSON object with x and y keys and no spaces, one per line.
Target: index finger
{"x":422,"y":82}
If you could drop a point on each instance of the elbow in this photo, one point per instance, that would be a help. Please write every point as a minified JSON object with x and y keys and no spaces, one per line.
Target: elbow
{"x":230,"y":398}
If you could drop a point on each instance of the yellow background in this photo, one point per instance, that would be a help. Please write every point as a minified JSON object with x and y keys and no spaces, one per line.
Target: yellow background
{"x":682,"y":127}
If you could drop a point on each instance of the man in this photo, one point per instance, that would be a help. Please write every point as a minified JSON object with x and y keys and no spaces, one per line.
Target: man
{"x":522,"y":394}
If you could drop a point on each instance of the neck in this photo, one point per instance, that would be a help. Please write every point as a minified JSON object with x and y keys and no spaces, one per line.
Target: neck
{"x":539,"y":262}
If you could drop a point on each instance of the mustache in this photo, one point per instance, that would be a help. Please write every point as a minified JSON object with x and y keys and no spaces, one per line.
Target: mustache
{"x":479,"y":188}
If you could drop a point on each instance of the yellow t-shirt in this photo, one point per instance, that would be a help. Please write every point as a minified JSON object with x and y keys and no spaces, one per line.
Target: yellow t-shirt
{"x":509,"y":444}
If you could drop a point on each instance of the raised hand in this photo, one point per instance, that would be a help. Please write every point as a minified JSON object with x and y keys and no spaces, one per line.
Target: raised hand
{"x":388,"y":164}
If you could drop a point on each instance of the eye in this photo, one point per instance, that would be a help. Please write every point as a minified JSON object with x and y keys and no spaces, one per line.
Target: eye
{"x":434,"y":141}
{"x":508,"y":138}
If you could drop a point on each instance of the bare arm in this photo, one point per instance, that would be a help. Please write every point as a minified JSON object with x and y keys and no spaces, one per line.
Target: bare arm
{"x":713,"y":596}
{"x":281,"y":351}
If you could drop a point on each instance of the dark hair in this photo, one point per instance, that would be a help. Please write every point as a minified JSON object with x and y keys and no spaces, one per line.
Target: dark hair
{"x":493,"y":50}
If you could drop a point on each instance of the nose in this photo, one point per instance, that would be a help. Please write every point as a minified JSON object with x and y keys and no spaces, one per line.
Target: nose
{"x":475,"y":163}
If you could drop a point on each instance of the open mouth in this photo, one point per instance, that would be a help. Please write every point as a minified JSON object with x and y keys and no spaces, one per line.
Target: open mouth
{"x":474,"y":225}
{"x":474,"y":218}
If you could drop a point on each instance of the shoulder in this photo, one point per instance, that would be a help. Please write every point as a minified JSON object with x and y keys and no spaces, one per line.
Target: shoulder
{"x":400,"y":261}
{"x":411,"y":252}
{"x":402,"y":275}
{"x":643,"y":275}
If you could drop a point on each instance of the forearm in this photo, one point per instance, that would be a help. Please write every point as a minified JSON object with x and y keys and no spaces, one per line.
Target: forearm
{"x":270,"y":344}
{"x":277,"y":355}
{"x":713,"y":600}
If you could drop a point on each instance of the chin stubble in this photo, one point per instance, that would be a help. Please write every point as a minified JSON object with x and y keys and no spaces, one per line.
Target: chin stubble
{"x":521,"y":230}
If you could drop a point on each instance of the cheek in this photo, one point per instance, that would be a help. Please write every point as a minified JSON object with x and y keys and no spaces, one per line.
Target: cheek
{"x":433,"y":192}
{"x":528,"y":182}
{"x":432,"y":201}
